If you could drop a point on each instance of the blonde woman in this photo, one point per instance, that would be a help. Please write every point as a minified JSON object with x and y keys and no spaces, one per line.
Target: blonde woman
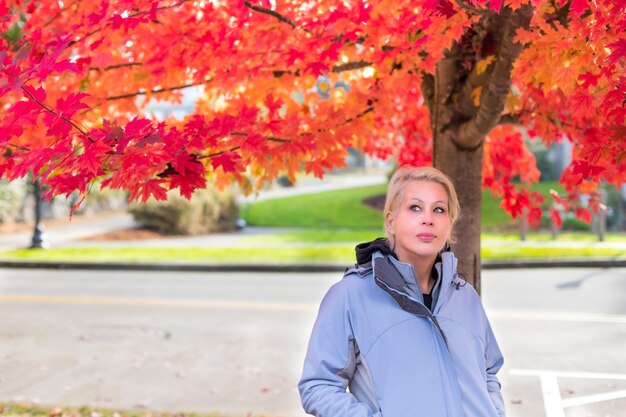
{"x":402,"y":335}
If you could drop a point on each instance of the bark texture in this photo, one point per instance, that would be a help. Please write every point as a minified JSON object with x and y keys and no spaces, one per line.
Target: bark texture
{"x":460,"y":123}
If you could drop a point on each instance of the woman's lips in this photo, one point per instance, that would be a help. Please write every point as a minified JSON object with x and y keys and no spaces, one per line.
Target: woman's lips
{"x":426,"y":237}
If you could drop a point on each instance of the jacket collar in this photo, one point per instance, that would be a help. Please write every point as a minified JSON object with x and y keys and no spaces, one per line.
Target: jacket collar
{"x":399,"y":277}
{"x":393,"y":278}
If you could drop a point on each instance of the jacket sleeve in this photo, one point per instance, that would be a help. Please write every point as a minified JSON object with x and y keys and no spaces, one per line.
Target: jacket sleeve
{"x":494,"y":361}
{"x":330,"y":362}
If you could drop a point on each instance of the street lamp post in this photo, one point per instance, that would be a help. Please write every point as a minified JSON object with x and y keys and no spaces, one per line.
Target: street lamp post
{"x":40,"y":239}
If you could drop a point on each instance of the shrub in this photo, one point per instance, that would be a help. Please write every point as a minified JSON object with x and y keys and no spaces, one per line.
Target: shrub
{"x":208,"y":211}
{"x":11,"y":195}
{"x":575,"y":225}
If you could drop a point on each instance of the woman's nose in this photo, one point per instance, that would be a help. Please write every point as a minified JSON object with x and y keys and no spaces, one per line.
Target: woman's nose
{"x":427,"y":218}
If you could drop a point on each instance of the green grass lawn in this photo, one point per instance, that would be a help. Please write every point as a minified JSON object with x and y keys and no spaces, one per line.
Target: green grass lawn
{"x":329,"y":209}
{"x":293,"y":248}
{"x":344,"y":209}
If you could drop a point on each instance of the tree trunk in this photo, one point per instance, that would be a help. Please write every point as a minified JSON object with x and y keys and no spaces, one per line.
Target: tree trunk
{"x":460,"y":121}
{"x":462,"y":162}
{"x":464,"y":167}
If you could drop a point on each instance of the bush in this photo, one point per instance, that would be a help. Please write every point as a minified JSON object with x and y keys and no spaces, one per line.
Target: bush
{"x":11,"y":195}
{"x":208,"y":211}
{"x":575,"y":225}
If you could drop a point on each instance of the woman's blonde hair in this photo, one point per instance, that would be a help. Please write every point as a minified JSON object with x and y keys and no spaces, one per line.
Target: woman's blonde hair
{"x":406,"y":174}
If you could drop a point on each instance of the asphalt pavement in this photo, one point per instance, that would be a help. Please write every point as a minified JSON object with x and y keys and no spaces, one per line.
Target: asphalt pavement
{"x":234,"y":343}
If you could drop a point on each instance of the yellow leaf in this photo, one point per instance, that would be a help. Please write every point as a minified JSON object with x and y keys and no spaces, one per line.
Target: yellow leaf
{"x":482,"y":65}
{"x":512,"y":101}
{"x":476,"y":95}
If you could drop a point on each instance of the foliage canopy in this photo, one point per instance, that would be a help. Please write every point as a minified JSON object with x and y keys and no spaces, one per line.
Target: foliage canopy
{"x":289,"y":85}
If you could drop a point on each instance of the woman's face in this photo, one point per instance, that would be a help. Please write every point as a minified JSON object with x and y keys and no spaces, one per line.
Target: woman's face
{"x":421,"y":225}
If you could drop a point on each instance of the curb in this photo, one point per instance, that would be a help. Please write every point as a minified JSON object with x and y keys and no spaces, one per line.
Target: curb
{"x":305,"y":268}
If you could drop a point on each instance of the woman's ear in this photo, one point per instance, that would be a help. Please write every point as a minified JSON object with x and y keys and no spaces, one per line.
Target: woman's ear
{"x":389,"y":223}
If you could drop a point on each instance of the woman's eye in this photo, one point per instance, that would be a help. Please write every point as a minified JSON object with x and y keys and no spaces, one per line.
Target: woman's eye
{"x":415,"y":207}
{"x":440,"y":210}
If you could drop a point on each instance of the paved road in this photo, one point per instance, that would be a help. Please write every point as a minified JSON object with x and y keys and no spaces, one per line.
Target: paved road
{"x":234,"y":342}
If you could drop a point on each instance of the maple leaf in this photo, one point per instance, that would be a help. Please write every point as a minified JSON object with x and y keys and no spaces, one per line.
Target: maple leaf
{"x":253,"y":143}
{"x":495,"y":5}
{"x":7,"y":132}
{"x":578,"y":7}
{"x":555,"y":216}
{"x":228,"y":161}
{"x":293,"y":55}
{"x":582,"y":99}
{"x":316,"y":68}
{"x":618,"y":50}
{"x":90,"y":159}
{"x":273,"y":104}
{"x":313,"y":167}
{"x":584,"y":170}
{"x":150,"y":188}
{"x":483,"y":64}
{"x":588,"y":79}
{"x":96,"y":17}
{"x":14,"y":79}
{"x":331,"y":53}
{"x":583,"y":214}
{"x":70,"y":105}
{"x":187,"y":184}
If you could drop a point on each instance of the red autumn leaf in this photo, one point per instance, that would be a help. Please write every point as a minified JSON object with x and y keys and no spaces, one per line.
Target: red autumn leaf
{"x":589,"y":79}
{"x":187,"y":183}
{"x":293,"y":55}
{"x":495,"y":5}
{"x":578,"y":7}
{"x":13,"y":79}
{"x":91,"y":159}
{"x":316,"y":68}
{"x":618,"y":51}
{"x":583,"y":214}
{"x":228,"y":161}
{"x":555,"y":216}
{"x":150,"y":188}
{"x":70,"y":105}
{"x":585,"y":170}
{"x":254,"y":142}
{"x":273,"y":104}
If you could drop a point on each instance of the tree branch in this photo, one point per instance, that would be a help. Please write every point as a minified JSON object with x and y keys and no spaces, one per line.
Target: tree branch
{"x":358,"y":116}
{"x":111,"y":67}
{"x":465,"y":104}
{"x":279,"y":140}
{"x":53,"y":18}
{"x":277,"y":15}
{"x":155,"y":91}
{"x":510,"y":119}
{"x":463,"y":5}
{"x":349,"y":66}
{"x":18,"y":147}
{"x":494,"y":93}
{"x":236,"y":148}
{"x":72,"y":43}
{"x":428,"y":90}
{"x":51,"y":111}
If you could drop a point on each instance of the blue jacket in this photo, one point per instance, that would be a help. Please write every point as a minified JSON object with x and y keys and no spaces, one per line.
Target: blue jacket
{"x":374,"y":335}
